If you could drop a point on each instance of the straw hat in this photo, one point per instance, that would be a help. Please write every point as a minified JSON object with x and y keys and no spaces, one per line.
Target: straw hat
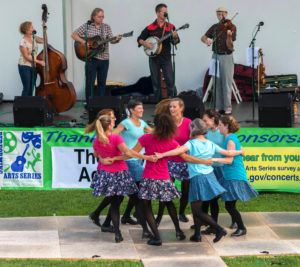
{"x":222,"y":9}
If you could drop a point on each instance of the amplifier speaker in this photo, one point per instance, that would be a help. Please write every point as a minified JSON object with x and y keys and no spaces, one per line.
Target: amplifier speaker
{"x":193,"y":106}
{"x":275,"y":110}
{"x":97,"y":103}
{"x":30,"y":111}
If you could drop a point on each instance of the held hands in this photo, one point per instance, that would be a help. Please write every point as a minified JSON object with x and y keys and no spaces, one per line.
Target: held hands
{"x":152,"y":158}
{"x":210,"y":161}
{"x":159,"y":155}
{"x":107,"y":161}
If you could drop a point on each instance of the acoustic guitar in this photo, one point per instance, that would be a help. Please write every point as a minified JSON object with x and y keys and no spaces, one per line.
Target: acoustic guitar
{"x":157,"y":43}
{"x":95,"y":46}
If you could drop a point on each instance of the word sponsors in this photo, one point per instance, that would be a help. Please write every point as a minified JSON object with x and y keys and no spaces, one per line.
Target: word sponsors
{"x":270,"y":168}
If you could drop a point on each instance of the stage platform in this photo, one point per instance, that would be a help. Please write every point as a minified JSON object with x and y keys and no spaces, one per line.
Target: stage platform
{"x":75,"y":117}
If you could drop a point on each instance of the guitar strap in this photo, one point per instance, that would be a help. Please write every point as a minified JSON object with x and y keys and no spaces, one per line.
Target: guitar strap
{"x":164,"y":30}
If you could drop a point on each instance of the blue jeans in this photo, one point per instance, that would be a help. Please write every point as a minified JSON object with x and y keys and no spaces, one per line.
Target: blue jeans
{"x":96,"y":68}
{"x":156,"y":64}
{"x":26,"y":78}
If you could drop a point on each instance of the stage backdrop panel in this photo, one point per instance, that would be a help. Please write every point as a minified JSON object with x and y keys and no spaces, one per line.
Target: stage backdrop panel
{"x":53,"y":158}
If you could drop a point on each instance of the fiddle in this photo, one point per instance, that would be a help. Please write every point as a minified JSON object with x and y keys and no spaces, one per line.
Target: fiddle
{"x":225,"y":25}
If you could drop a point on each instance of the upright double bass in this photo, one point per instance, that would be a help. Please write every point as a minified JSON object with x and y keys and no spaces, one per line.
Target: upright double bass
{"x":59,"y":92}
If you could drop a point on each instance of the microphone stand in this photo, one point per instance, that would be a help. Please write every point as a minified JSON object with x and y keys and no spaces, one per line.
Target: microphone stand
{"x":32,"y":63}
{"x":216,"y":66}
{"x":173,"y":55}
{"x":252,"y":45}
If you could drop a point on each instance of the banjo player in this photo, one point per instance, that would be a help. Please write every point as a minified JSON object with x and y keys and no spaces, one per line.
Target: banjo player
{"x":161,"y":60}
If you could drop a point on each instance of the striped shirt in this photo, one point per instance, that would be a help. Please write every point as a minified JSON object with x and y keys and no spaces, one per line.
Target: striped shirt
{"x":104,"y":31}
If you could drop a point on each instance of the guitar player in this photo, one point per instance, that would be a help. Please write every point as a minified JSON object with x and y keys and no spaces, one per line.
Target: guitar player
{"x":159,"y":28}
{"x":98,"y":65}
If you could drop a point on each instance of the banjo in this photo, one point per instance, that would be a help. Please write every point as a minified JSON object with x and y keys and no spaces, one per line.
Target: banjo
{"x":157,"y":43}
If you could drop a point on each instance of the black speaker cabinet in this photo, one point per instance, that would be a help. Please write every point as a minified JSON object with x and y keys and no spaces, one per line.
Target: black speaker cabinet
{"x":193,"y":106}
{"x":97,"y":103}
{"x":275,"y":110}
{"x":30,"y":111}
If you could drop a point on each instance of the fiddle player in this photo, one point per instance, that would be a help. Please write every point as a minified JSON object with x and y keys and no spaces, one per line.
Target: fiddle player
{"x":25,"y":61}
{"x":98,"y":65}
{"x":224,"y":48}
{"x":159,"y":28}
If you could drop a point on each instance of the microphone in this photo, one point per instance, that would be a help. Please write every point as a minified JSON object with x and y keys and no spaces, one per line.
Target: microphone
{"x":165,"y":14}
{"x":261,"y":23}
{"x":33,"y":32}
{"x":89,"y":22}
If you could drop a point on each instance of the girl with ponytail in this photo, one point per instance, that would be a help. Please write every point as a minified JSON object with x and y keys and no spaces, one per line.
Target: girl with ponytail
{"x":113,"y":181}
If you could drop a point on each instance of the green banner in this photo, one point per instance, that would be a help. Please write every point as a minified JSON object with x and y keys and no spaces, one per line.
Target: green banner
{"x":53,"y":158}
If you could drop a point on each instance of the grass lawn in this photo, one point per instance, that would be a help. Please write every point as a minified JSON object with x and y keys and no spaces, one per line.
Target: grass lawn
{"x":32,"y":203}
{"x":290,"y":261}
{"x":70,"y":263}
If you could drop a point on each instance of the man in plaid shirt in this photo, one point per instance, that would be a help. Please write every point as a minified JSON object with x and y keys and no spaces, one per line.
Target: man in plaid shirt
{"x":98,"y":65}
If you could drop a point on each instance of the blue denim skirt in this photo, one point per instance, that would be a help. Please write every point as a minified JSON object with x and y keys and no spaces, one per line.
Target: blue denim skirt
{"x":204,"y":187}
{"x":237,"y":190}
{"x":135,"y":167}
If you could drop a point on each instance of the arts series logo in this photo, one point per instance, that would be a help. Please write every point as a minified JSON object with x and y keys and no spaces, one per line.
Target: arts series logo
{"x":21,"y":159}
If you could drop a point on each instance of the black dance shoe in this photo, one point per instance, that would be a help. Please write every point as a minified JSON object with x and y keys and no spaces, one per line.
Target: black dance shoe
{"x":95,"y":219}
{"x":183,"y":218}
{"x":195,"y":238}
{"x":109,"y":229}
{"x":118,"y":238}
{"x":233,"y":225}
{"x":147,"y":235}
{"x":239,"y":232}
{"x":128,"y":220}
{"x":180,"y":235}
{"x":208,"y":231}
{"x":219,"y":235}
{"x":154,"y":242}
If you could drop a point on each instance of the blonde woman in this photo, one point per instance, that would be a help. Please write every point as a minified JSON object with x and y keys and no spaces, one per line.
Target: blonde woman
{"x":25,"y":60}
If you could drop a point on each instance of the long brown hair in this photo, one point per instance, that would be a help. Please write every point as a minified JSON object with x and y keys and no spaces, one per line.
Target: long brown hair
{"x":101,"y":126}
{"x":164,"y":126}
{"x":163,"y":106}
{"x":92,"y":126}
